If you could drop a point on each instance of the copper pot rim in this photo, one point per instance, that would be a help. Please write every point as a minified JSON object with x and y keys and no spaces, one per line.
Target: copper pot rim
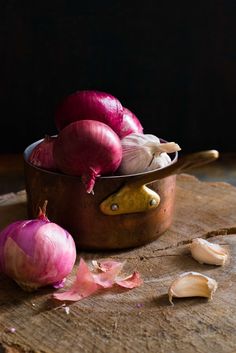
{"x":29,"y":149}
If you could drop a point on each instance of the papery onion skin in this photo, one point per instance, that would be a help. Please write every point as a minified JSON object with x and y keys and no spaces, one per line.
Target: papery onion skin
{"x":42,"y":154}
{"x":87,"y":148}
{"x":36,"y":253}
{"x":130,"y":124}
{"x":92,"y":105}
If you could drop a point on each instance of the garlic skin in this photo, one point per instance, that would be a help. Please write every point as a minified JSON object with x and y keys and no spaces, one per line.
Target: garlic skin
{"x":192,"y":284}
{"x":208,"y":253}
{"x":144,"y":152}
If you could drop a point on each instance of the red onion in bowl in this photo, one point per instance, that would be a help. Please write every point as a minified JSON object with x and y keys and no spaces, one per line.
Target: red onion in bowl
{"x":87,"y":148}
{"x":130,"y":124}
{"x":36,"y":252}
{"x":92,"y":105}
{"x":42,"y":154}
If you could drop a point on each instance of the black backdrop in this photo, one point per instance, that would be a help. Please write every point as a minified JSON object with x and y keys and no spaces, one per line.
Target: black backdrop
{"x":171,"y":62}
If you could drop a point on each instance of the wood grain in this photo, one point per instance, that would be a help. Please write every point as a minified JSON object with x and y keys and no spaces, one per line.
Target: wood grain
{"x":142,"y":319}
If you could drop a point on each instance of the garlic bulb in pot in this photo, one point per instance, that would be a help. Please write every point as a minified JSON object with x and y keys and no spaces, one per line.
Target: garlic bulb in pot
{"x":144,"y":152}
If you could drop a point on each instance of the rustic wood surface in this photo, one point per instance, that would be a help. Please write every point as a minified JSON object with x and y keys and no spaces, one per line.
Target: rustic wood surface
{"x":142,"y":319}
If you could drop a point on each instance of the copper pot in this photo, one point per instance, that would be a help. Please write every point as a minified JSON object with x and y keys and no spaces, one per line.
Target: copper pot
{"x":122,"y":213}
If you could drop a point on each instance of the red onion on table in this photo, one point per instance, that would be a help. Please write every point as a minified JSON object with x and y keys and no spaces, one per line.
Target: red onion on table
{"x":130,"y":124}
{"x":92,"y":105}
{"x":87,"y":148}
{"x":42,"y":154}
{"x":36,"y":252}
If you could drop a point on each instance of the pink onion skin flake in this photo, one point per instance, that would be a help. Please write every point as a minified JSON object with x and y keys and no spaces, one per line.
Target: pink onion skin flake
{"x":89,"y":281}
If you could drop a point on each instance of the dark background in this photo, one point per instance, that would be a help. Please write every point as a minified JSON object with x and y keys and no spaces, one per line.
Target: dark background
{"x":171,"y":62}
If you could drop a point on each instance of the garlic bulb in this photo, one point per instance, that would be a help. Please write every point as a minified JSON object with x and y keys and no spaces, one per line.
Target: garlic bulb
{"x":192,"y":284}
{"x":208,"y":253}
{"x":144,"y":152}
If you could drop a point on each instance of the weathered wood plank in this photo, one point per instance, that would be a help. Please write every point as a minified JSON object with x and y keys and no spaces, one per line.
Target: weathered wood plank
{"x":139,"y":320}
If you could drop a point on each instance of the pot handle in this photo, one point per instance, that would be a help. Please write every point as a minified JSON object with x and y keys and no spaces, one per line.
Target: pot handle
{"x":183,"y":165}
{"x":135,"y":196}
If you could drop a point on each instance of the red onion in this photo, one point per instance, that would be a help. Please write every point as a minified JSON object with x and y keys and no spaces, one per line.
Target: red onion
{"x":36,"y":253}
{"x":42,"y":154}
{"x":87,"y":148}
{"x":130,"y":124}
{"x":92,"y":105}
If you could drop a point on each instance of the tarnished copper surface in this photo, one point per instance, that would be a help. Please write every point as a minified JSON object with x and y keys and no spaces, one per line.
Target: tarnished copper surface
{"x":71,"y":207}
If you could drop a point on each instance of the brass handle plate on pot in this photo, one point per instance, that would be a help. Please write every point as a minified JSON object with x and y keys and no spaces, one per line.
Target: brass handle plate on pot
{"x":130,"y":199}
{"x":135,"y":196}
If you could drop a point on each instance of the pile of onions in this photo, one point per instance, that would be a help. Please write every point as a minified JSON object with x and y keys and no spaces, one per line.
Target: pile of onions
{"x":91,"y":105}
{"x":42,"y":154}
{"x":98,"y":136}
{"x":91,"y":125}
{"x":36,"y":253}
{"x":87,"y":148}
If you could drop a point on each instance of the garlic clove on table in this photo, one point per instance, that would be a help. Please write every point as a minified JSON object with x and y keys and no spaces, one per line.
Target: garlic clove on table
{"x":192,"y":284}
{"x":208,"y":253}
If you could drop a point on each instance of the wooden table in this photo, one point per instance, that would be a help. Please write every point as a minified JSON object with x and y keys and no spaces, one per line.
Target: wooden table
{"x":139,"y":320}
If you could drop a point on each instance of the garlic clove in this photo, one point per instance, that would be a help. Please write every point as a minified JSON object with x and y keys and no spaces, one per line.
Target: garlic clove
{"x":208,"y":253}
{"x":192,"y":284}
